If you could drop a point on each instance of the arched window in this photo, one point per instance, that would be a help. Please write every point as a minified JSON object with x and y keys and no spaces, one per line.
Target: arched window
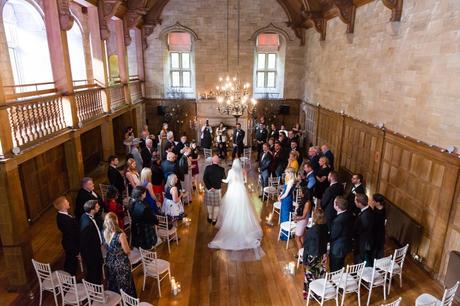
{"x":76,"y":52}
{"x":269,"y":66}
{"x":27,"y":42}
{"x":132,"y":54}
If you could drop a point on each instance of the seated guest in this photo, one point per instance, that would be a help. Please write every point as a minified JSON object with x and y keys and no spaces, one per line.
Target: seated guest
{"x":287,"y":198}
{"x":131,"y":174}
{"x":378,"y":202}
{"x":327,"y":201}
{"x":172,"y":205}
{"x":146,"y":182}
{"x":117,"y":260}
{"x":69,"y":228}
{"x":264,"y":165}
{"x":315,"y":250}
{"x":313,"y":157}
{"x":85,"y":194}
{"x":115,"y":177}
{"x":356,"y":187}
{"x":146,"y":153}
{"x":303,"y":212}
{"x":113,"y":205}
{"x":327,"y":152}
{"x":169,"y":165}
{"x":91,"y":242}
{"x":341,"y":234}
{"x":364,"y":231}
{"x":321,"y":177}
{"x":157,"y":179}
{"x":292,"y":161}
{"x":142,"y":220}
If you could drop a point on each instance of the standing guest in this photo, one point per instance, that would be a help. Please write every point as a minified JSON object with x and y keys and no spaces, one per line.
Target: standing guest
{"x":261,"y":138}
{"x":115,"y":177}
{"x":162,"y":139}
{"x":221,"y":140}
{"x":131,"y":175}
{"x":313,"y":157}
{"x":292,"y":161}
{"x":315,"y":250}
{"x":117,"y":260}
{"x":136,"y":155}
{"x":264,"y":165}
{"x":172,"y":206}
{"x":356,"y":187}
{"x":206,"y":136}
{"x":327,"y":201}
{"x":129,"y":137}
{"x":321,"y":177}
{"x":238,"y":141}
{"x":170,"y":145}
{"x":295,"y":148}
{"x":284,"y":141}
{"x":274,"y":132}
{"x":283,"y":130}
{"x":309,"y":180}
{"x":297,"y":129}
{"x":145,"y":132}
{"x":341,"y":234}
{"x":181,"y":145}
{"x":113,"y":205}
{"x":91,"y":242}
{"x":68,"y":226}
{"x":142,"y":220}
{"x":85,"y":194}
{"x":277,"y":165}
{"x":187,"y":182}
{"x":364,"y":231}
{"x":182,"y":167}
{"x":327,"y":152}
{"x":157,"y":180}
{"x":212,"y":178}
{"x":303,"y":213}
{"x":378,"y":202}
{"x":147,"y":153}
{"x":271,"y":144}
{"x":150,"y":197}
{"x":195,"y":168}
{"x":286,"y":198}
{"x":169,"y":165}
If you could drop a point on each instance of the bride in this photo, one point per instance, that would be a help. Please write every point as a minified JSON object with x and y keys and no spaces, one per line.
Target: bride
{"x":239,"y":226}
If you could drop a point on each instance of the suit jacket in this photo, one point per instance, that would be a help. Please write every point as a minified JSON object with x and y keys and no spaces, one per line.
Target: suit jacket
{"x":276,"y":166}
{"x":168,"y":168}
{"x":330,"y":157}
{"x":341,"y":234}
{"x":315,"y":241}
{"x":364,"y":230}
{"x":213,"y":176}
{"x":261,"y":134}
{"x":90,"y":243}
{"x":314,"y":162}
{"x":264,"y":163}
{"x":275,"y":134}
{"x":351,"y":197}
{"x":84,"y":196}
{"x":69,"y":228}
{"x":327,"y":201}
{"x":168,"y":145}
{"x":146,"y":155}
{"x":182,"y":167}
{"x":116,"y":179}
{"x":238,"y":139}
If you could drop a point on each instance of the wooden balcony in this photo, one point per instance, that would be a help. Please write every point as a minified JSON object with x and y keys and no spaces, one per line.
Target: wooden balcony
{"x":135,"y":91}
{"x":117,"y":97}
{"x":89,"y":104}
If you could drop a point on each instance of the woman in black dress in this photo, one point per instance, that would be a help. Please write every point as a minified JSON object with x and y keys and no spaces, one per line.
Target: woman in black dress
{"x":143,"y":220}
{"x":117,"y":260}
{"x":321,"y":177}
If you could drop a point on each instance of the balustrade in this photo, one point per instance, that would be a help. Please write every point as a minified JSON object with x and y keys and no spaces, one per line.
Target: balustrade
{"x":135,"y":91}
{"x":89,"y":104}
{"x":117,"y":96}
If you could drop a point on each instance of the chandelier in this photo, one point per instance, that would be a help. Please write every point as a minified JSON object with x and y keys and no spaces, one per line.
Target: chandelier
{"x":233,"y":98}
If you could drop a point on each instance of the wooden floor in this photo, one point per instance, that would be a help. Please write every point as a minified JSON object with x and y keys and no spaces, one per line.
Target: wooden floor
{"x":207,"y":277}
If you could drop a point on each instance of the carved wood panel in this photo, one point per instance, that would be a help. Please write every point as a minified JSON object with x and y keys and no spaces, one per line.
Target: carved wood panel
{"x":361,"y":151}
{"x":120,"y":123}
{"x":310,"y":123}
{"x":43,"y":179}
{"x":330,"y":125}
{"x":91,"y":146}
{"x":421,"y":181}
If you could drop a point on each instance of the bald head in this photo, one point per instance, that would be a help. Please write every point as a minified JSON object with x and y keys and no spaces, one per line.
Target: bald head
{"x":215,"y":160}
{"x":170,"y":156}
{"x":148,"y":143}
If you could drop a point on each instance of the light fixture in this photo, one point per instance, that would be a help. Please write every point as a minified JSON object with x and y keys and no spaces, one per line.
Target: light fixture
{"x":451,"y":149}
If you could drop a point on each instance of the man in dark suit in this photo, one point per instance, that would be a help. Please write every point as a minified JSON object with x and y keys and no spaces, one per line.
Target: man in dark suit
{"x":327,"y":201}
{"x":308,"y":177}
{"x":264,"y":164}
{"x":261,"y":138}
{"x":212,"y":178}
{"x":169,"y":165}
{"x":313,"y":157}
{"x":68,"y":226}
{"x":284,"y":141}
{"x":277,"y":165}
{"x":364,"y":231}
{"x":115,"y":177}
{"x":85,"y":194}
{"x":90,"y":243}
{"x":146,"y":153}
{"x":170,"y":145}
{"x":341,"y":234}
{"x":181,"y":145}
{"x":327,"y":153}
{"x":356,"y":187}
{"x":238,"y":141}
{"x":295,"y":148}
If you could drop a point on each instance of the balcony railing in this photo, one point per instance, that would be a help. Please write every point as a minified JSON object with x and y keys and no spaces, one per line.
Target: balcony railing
{"x":89,"y":104}
{"x":33,"y":119}
{"x":135,"y":91}
{"x":117,"y":96}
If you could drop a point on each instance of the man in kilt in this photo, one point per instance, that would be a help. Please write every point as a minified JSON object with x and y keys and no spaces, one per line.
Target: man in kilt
{"x":212,"y":178}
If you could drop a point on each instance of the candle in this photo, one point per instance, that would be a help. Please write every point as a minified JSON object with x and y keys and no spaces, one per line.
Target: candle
{"x":292,"y":267}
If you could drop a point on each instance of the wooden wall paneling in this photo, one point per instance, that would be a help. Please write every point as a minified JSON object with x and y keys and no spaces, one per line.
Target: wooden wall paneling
{"x":270,"y":110}
{"x":91,"y":144}
{"x":30,"y":188}
{"x":120,"y":123}
{"x":422,"y":182}
{"x":330,"y":130}
{"x":362,"y":146}
{"x":310,"y":123}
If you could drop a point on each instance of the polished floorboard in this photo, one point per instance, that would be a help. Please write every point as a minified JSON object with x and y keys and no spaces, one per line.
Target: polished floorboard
{"x":209,"y":277}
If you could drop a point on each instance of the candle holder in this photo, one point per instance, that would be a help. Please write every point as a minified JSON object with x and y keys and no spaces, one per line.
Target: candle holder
{"x":269,"y":219}
{"x":187,"y":221}
{"x":175,"y":286}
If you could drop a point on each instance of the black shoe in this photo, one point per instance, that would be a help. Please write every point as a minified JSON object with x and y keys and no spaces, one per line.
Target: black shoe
{"x":209,"y":220}
{"x":214,"y":222}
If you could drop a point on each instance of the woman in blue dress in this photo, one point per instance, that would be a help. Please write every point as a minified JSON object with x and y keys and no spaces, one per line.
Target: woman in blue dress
{"x":287,"y":198}
{"x":150,"y":198}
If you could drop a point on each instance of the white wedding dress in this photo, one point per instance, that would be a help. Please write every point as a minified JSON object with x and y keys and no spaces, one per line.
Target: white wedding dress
{"x":239,"y":226}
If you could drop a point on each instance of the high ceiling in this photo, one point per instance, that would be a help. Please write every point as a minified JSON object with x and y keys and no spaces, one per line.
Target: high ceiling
{"x":301,"y":14}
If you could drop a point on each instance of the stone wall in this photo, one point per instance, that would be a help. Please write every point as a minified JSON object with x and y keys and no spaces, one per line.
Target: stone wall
{"x":209,"y":23}
{"x":405,"y":75}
